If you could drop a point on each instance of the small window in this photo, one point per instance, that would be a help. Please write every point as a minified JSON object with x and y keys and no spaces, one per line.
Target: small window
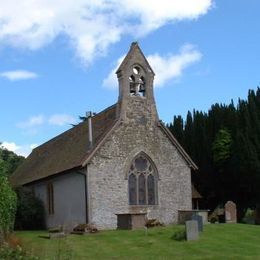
{"x":50,"y":198}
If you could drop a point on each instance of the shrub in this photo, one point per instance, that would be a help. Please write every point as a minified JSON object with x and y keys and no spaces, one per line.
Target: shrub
{"x":13,"y":241}
{"x":153,"y":223}
{"x":179,"y":235}
{"x":249,"y":217}
{"x":9,"y":253}
{"x":91,"y":228}
{"x":213,"y":219}
{"x":30,"y":211}
{"x":7,"y":208}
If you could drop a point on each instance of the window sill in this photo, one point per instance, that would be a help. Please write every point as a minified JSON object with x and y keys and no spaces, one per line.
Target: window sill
{"x":143,"y":207}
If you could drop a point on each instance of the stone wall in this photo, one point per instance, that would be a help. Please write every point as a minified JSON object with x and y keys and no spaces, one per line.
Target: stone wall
{"x":107,"y":171}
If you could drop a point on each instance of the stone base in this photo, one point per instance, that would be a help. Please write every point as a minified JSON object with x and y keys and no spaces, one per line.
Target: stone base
{"x":184,"y":215}
{"x":131,"y":220}
{"x":78,"y":233}
{"x":57,"y":235}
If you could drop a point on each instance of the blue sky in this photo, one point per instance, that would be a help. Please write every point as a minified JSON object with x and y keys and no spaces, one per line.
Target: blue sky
{"x":57,"y":58}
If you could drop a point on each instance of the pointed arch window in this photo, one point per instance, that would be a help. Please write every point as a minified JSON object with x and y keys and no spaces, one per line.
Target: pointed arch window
{"x":142,"y":182}
{"x":137,"y":82}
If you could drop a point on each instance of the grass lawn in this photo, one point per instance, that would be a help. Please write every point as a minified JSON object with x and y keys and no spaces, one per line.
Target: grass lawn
{"x":218,"y":241}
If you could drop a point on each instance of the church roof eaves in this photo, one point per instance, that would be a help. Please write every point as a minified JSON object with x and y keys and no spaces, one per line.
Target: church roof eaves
{"x":66,"y":151}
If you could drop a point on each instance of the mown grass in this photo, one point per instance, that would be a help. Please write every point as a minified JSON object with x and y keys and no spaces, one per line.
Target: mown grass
{"x":218,"y":241}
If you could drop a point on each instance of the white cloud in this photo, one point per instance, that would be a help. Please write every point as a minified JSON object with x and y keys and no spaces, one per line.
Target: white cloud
{"x":18,"y":75}
{"x":23,"y":150}
{"x":111,"y":80}
{"x":165,"y":67}
{"x":172,"y":66}
{"x":61,"y":119}
{"x":90,"y":25}
{"x":10,"y":146}
{"x":32,"y":122}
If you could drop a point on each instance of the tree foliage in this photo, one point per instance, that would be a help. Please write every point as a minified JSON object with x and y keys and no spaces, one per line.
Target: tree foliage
{"x":225,"y":144}
{"x":30,"y":213}
{"x":221,"y":147}
{"x":7,"y":207}
{"x":9,"y":161}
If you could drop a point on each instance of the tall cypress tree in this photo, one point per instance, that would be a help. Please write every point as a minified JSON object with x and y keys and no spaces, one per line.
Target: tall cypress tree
{"x":237,"y":177}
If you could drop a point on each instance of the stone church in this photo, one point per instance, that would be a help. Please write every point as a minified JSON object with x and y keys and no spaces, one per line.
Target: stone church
{"x":121,"y":160}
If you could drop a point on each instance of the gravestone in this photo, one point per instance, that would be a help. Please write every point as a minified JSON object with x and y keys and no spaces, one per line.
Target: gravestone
{"x":199,"y":219}
{"x":192,"y":230}
{"x":230,"y":212}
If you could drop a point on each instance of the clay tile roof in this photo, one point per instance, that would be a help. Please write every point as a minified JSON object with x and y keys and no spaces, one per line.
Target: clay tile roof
{"x":66,"y":151}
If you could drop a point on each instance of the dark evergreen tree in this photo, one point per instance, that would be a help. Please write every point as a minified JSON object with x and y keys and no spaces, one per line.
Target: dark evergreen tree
{"x":225,"y":144}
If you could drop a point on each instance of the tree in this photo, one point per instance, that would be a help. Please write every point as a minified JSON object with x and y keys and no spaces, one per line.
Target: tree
{"x":7,"y":208}
{"x":221,"y":147}
{"x":9,"y":161}
{"x":225,"y":144}
{"x":30,"y":213}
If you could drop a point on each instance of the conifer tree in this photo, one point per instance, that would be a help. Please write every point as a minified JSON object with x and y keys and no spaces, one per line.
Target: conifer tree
{"x":225,"y":144}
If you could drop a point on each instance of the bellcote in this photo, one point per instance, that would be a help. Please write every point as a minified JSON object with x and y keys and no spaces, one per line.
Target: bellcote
{"x":135,"y":74}
{"x":135,"y":78}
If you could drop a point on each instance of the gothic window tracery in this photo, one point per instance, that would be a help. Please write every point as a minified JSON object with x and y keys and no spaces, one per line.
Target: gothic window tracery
{"x":142,"y":182}
{"x":137,"y":82}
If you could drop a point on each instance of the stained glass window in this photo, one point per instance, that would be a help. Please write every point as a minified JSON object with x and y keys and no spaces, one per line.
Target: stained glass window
{"x":141,"y":164}
{"x":142,"y":189}
{"x":142,"y":182}
{"x":151,"y":189}
{"x":132,"y":189}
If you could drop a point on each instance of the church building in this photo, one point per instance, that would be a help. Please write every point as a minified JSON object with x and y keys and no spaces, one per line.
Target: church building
{"x":121,"y":160}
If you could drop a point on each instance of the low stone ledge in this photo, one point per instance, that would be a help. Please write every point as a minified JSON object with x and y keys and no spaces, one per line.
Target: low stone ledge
{"x":57,"y":235}
{"x":184,"y":215}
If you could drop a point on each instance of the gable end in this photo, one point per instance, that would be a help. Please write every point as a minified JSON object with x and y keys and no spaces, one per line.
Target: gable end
{"x":180,"y":149}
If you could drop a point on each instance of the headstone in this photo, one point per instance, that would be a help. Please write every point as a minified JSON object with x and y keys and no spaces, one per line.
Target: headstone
{"x":230,"y":212}
{"x":192,"y":230}
{"x":199,"y":219}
